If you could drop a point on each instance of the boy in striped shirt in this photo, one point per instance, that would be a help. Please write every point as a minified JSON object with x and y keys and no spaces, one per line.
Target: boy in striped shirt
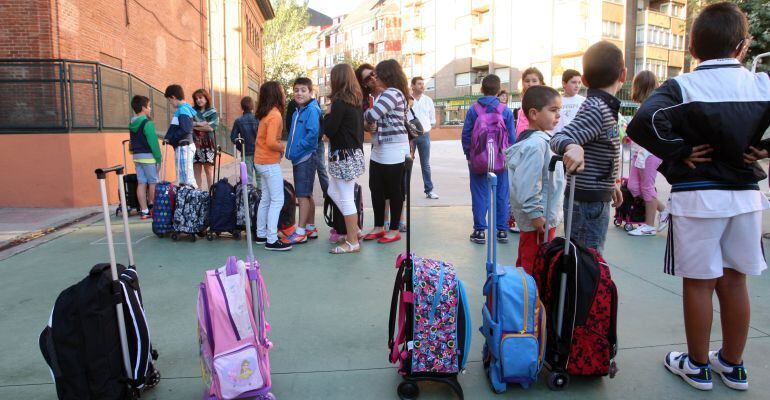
{"x":590,"y":145}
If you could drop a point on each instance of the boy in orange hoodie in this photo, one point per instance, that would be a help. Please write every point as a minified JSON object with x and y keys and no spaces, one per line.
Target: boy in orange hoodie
{"x":267,"y":160}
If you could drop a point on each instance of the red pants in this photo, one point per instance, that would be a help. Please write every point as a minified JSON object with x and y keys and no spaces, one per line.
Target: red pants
{"x":529,"y":243}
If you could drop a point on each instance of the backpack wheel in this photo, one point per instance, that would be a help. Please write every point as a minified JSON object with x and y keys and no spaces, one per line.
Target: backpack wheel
{"x":175,"y":236}
{"x":558,"y":380}
{"x":628,"y":227}
{"x":408,"y":390}
{"x":192,"y":238}
{"x":618,"y":223}
{"x":613,"y":369}
{"x":237,"y":235}
{"x":210,"y":237}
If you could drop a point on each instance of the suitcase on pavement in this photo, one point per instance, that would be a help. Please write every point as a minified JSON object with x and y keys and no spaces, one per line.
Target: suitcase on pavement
{"x":191,"y":212}
{"x":434,"y":332}
{"x":86,"y":344}
{"x":164,"y":202}
{"x":514,"y":319}
{"x":581,"y":301}
{"x":232,"y":329}
{"x":130,"y":184}
{"x":222,"y":212}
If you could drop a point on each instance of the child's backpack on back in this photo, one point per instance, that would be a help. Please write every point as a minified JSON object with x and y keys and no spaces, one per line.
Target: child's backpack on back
{"x":488,"y":140}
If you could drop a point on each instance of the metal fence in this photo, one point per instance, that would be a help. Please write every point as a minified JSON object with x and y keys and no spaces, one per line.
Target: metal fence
{"x":45,"y":95}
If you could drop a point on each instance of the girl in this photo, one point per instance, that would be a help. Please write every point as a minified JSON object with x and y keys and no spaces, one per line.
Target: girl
{"x":531,"y":77}
{"x":390,"y":147}
{"x":204,"y":125}
{"x":267,"y":159}
{"x":644,"y":167}
{"x":503,"y":96}
{"x":344,"y":126}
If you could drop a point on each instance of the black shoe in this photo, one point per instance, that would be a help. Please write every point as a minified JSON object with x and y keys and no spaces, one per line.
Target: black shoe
{"x":260,"y":240}
{"x":478,"y":236}
{"x":502,"y":236}
{"x":278,"y":245}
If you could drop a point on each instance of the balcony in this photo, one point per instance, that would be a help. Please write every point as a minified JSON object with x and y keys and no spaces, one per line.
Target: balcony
{"x":480,"y":33}
{"x":414,"y":46}
{"x":480,"y":6}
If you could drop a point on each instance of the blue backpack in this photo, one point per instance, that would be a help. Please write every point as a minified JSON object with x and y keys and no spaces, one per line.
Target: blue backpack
{"x":513,"y":321}
{"x":223,"y":207}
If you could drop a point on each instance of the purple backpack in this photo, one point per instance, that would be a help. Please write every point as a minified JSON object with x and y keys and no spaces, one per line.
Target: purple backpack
{"x":488,"y":140}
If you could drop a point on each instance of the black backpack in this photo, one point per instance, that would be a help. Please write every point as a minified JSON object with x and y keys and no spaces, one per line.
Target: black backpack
{"x":81,"y":343}
{"x":333,"y":216}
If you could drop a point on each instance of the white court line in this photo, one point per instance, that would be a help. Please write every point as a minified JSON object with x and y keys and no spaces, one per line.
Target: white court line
{"x":103,"y":240}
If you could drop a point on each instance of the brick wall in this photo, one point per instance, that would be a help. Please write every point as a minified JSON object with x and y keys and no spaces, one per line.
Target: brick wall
{"x":25,"y":28}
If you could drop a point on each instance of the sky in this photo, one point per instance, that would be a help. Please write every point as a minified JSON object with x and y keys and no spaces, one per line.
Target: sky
{"x":333,"y":8}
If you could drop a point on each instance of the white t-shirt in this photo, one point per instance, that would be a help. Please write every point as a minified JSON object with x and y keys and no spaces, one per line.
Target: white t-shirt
{"x":425,"y":111}
{"x":569,"y":107}
{"x":716,"y":203}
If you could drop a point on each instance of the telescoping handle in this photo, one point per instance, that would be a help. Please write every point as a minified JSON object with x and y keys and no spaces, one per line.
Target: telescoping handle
{"x":245,"y":193}
{"x":125,"y":158}
{"x":101,"y":175}
{"x":163,"y":161}
{"x":492,"y":207}
{"x":408,"y":163}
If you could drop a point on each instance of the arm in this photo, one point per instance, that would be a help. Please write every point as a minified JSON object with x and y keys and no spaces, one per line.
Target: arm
{"x":655,"y":125}
{"x":386,"y":103}
{"x":213,"y":121}
{"x":186,"y":123}
{"x":586,"y":127}
{"x":273,"y":130}
{"x":432,"y":113}
{"x":152,"y":139}
{"x":510,"y":125}
{"x":465,"y":137}
{"x":312,"y":126}
{"x":235,"y":132}
{"x":333,"y":120}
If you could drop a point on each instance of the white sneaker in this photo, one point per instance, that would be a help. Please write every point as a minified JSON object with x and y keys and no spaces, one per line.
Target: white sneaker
{"x":664,"y":218}
{"x":431,"y":195}
{"x":734,"y":376}
{"x":679,"y":364}
{"x":644,"y":230}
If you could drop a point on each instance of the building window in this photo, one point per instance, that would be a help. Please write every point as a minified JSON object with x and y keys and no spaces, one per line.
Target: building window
{"x":672,"y":9}
{"x":658,"y":36}
{"x":677,"y":42}
{"x":611,"y":29}
{"x":657,"y":67}
{"x":463,"y":79}
{"x":504,"y":74}
{"x":430,"y":84}
{"x":381,"y":47}
{"x":252,"y":32}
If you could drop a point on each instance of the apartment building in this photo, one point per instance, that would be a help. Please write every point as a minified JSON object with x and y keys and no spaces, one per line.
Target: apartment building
{"x":659,"y":38}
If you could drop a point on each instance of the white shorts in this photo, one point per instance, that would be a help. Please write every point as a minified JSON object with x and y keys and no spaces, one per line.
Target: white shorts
{"x":183,"y":158}
{"x":701,"y":248}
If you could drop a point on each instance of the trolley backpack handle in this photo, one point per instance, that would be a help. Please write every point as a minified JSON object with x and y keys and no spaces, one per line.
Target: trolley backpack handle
{"x":408,"y":163}
{"x":756,"y":61}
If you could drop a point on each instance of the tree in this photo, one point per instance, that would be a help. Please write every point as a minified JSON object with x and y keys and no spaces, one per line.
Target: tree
{"x":283,"y":40}
{"x":758,"y":12}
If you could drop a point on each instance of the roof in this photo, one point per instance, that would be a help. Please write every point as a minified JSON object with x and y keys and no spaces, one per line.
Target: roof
{"x":318,"y":19}
{"x":266,"y":9}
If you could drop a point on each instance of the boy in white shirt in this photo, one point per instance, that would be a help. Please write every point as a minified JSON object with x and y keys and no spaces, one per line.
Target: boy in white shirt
{"x":571,"y":101}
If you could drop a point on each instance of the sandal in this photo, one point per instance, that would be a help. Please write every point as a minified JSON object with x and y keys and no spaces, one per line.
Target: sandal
{"x":350,"y":249}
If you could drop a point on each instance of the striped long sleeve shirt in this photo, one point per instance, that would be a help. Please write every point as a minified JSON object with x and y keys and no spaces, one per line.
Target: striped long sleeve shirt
{"x":595,"y":128}
{"x":391,"y":142}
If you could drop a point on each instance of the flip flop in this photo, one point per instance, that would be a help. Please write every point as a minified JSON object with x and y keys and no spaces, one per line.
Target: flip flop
{"x":343,"y":250}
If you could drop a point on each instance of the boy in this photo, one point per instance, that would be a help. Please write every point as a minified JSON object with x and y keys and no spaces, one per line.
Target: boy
{"x":146,"y":152}
{"x":707,"y":127}
{"x":571,"y":101}
{"x":180,"y":135}
{"x":245,"y":127}
{"x":300,"y":149}
{"x":532,"y":195}
{"x":590,"y":145}
{"x":490,"y":87}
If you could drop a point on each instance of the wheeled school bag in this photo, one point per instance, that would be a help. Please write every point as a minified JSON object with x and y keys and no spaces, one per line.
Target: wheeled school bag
{"x":333,"y":216}
{"x":581,"y":301}
{"x":254,"y":196}
{"x":222,"y":212}
{"x":514,"y":319}
{"x":434,"y":325}
{"x":288,"y":216}
{"x":164,"y":202}
{"x":97,"y":341}
{"x":191,"y":212}
{"x":232,"y":329}
{"x":130,"y":181}
{"x":632,"y":211}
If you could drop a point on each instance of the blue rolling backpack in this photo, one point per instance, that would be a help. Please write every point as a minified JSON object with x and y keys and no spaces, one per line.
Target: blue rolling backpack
{"x":514,"y":320}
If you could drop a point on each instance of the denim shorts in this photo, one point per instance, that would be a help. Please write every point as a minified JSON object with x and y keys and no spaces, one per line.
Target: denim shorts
{"x":146,"y":173}
{"x":304,"y":177}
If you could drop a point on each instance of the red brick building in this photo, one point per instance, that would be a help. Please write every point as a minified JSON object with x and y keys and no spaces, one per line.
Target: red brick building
{"x":72,"y":66}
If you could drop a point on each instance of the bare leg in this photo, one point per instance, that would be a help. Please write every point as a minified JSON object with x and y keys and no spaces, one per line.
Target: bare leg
{"x":141,"y":195}
{"x":304,"y":207}
{"x":209,"y":168}
{"x":698,"y":315}
{"x":735,"y":314}
{"x":198,"y":169}
{"x":310,"y":212}
{"x":351,"y":224}
{"x":651,"y":208}
{"x":152,"y":193}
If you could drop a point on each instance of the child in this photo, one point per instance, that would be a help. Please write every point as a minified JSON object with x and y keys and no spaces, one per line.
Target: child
{"x":245,"y":127}
{"x":527,"y":160}
{"x":531,"y":77}
{"x":594,"y":131}
{"x":707,"y":127}
{"x":205,"y":126}
{"x":490,"y":87}
{"x":146,"y":152}
{"x":571,"y":101}
{"x":180,"y":135}
{"x":644,"y":167}
{"x":267,"y":158}
{"x":300,"y":149}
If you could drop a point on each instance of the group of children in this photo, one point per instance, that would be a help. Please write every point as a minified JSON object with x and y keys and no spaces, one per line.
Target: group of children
{"x":702,"y":130}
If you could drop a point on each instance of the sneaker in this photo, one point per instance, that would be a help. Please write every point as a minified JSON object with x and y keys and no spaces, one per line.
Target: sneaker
{"x":278,"y":245}
{"x":431,"y":195}
{"x":644,"y":230}
{"x":512,"y":225}
{"x":502,"y":236}
{"x":311,"y":233}
{"x":294,"y":238}
{"x":664,"y":218}
{"x":478,"y":236}
{"x":734,"y":376}
{"x":144,"y":214}
{"x":679,"y":364}
{"x":260,"y":240}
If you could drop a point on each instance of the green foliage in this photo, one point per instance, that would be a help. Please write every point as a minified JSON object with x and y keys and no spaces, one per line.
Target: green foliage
{"x":283,"y":40}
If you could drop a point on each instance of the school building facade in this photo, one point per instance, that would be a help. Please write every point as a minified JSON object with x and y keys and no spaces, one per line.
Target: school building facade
{"x":68,"y":70}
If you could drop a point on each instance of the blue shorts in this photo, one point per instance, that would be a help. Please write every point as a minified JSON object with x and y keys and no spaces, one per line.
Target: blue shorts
{"x":146,"y":173}
{"x":304,"y":177}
